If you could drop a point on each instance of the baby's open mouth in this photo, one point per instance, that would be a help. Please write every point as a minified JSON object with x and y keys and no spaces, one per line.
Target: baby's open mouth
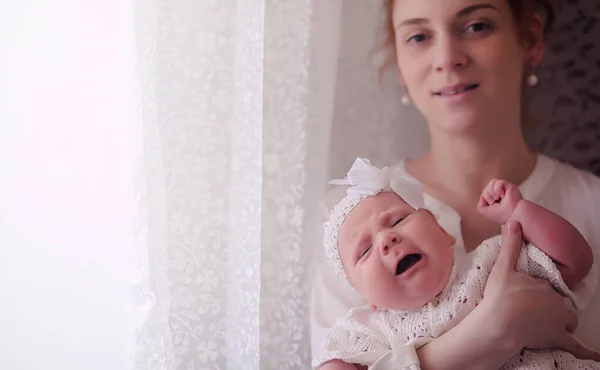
{"x":406,"y":263}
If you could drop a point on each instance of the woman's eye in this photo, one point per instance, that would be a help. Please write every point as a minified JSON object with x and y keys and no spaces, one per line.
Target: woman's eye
{"x":365,"y":251}
{"x":478,"y":27}
{"x":417,"y":38}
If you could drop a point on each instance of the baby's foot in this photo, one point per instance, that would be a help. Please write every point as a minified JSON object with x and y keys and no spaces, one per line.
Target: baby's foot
{"x":499,"y":200}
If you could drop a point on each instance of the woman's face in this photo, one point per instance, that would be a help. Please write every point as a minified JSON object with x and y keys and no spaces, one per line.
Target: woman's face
{"x":461,"y":61}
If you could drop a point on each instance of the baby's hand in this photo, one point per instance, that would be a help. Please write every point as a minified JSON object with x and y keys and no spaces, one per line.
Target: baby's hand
{"x":499,"y":200}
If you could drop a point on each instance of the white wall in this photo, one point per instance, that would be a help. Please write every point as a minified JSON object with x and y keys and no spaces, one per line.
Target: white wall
{"x":65,"y":91}
{"x":369,"y":119}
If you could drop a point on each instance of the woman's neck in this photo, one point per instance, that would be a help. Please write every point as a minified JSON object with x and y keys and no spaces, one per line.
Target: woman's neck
{"x":464,"y":165}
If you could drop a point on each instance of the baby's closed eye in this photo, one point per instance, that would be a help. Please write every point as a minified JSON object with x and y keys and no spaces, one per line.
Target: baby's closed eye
{"x":364,"y":252}
{"x":395,"y":223}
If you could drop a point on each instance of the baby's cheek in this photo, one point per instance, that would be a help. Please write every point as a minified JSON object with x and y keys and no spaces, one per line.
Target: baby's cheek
{"x":379,"y":294}
{"x":359,"y":279}
{"x":445,"y":256}
{"x":369,"y":282}
{"x":383,"y":283}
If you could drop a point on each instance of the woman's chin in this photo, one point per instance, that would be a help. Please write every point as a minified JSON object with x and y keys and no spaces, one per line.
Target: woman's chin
{"x":460,"y":124}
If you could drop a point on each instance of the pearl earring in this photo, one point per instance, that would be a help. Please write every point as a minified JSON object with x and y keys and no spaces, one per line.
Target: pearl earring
{"x":405,"y":100}
{"x":532,"y":80}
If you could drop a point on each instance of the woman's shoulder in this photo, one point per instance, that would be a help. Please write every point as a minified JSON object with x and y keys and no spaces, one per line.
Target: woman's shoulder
{"x":574,"y":194}
{"x":569,"y":170}
{"x":567,"y":178}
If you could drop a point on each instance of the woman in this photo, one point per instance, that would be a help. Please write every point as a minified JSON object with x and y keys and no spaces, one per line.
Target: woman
{"x":468,"y":65}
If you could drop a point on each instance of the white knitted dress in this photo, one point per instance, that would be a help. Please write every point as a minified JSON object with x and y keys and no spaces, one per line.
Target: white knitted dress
{"x":374,"y":338}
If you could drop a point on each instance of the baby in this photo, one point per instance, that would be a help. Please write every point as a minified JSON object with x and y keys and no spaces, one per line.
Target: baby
{"x":389,"y":249}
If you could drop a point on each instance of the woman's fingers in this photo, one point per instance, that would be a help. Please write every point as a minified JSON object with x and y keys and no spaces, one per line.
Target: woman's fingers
{"x":511,"y":247}
{"x":573,"y":346}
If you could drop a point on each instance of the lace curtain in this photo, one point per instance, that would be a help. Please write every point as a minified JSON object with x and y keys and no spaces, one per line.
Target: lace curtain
{"x":237,"y":101}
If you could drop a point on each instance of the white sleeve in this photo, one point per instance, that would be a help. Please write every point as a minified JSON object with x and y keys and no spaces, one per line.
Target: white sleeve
{"x":537,"y":264}
{"x":357,"y":341}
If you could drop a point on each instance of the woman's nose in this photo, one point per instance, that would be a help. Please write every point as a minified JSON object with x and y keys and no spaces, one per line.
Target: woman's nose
{"x":449,"y":55}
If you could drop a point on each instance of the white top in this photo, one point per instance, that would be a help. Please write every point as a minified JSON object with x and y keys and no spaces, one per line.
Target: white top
{"x":572,"y":193}
{"x":373,"y":338}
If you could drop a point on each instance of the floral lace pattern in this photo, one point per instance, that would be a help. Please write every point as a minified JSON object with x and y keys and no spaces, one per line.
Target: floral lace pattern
{"x":231,"y":138}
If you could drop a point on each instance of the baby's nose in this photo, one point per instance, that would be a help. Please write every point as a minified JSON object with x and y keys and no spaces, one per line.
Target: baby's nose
{"x":388,"y":242}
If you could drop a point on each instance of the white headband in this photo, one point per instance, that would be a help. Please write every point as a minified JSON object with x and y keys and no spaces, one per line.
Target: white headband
{"x":366,"y":180}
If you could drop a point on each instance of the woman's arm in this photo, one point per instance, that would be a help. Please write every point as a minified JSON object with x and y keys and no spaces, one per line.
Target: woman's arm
{"x":467,"y":346}
{"x":338,"y":365}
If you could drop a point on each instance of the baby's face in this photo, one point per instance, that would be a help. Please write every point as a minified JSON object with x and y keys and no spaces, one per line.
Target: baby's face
{"x":394,"y":256}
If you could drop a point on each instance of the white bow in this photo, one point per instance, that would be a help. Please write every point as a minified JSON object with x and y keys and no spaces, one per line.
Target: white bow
{"x":366,"y":179}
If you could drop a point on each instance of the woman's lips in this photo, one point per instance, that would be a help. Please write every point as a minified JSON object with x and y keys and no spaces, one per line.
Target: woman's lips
{"x":456,"y":90}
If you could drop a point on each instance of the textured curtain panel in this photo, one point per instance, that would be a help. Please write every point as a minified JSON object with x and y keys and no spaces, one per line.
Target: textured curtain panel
{"x":237,"y":100}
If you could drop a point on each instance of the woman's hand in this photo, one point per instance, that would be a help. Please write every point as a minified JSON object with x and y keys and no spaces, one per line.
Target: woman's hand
{"x":518,"y":311}
{"x":527,"y":312}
